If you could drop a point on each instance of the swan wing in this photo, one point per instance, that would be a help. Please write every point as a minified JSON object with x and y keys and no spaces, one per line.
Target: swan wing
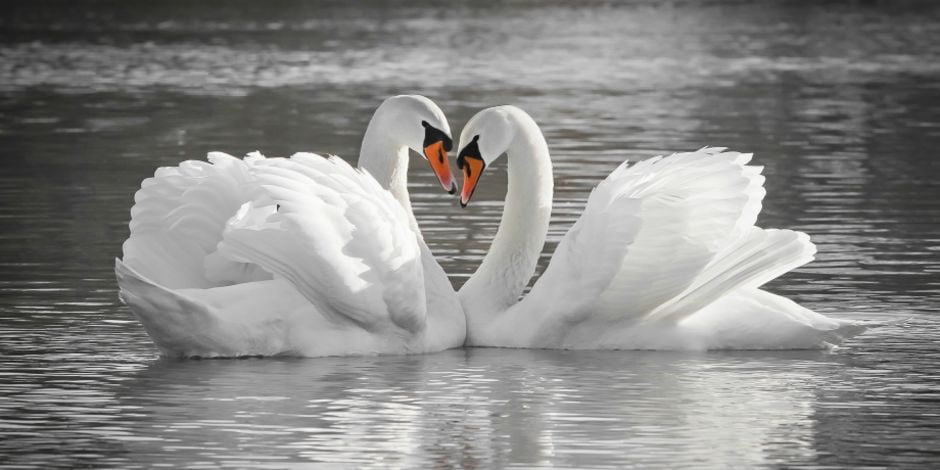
{"x":751,"y":261}
{"x":179,"y":215}
{"x":751,"y":318}
{"x":343,"y":241}
{"x":647,"y":233}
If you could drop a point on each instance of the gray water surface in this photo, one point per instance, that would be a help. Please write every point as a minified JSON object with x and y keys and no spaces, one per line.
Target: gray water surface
{"x":840,"y":103}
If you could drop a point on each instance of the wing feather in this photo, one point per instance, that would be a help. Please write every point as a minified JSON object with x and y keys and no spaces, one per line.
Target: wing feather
{"x":759,"y":257}
{"x":647,"y":233}
{"x":179,"y":215}
{"x":342,"y":240}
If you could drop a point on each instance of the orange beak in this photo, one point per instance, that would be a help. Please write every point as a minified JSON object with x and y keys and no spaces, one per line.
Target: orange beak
{"x":436,"y":155}
{"x":472,"y":169}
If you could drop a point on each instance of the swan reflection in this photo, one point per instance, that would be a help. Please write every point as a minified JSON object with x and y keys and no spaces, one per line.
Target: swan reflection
{"x":482,"y":408}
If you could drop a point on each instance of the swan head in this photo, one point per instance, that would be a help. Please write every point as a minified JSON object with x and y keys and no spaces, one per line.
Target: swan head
{"x":485,"y":138}
{"x":420,"y":125}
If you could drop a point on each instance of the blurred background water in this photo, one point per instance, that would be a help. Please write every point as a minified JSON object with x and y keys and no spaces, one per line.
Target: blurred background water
{"x":840,"y":102}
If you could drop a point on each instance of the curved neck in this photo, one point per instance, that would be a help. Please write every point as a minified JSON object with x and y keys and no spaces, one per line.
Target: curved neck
{"x":386,"y":159}
{"x":505,"y":271}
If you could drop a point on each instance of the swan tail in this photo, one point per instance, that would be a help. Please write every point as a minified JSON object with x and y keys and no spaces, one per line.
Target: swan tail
{"x":751,"y":318}
{"x":182,"y":324}
{"x":172,"y":320}
{"x":754,"y":259}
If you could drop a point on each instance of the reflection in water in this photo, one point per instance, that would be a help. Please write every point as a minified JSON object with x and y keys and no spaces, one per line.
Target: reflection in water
{"x":531,"y":407}
{"x":840,"y":103}
{"x":484,"y":408}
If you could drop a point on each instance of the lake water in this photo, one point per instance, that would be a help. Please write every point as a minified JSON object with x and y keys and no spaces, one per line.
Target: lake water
{"x":840,"y":103}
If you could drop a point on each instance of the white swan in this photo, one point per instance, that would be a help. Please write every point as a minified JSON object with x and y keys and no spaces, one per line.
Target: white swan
{"x":665,"y":255}
{"x":302,"y":256}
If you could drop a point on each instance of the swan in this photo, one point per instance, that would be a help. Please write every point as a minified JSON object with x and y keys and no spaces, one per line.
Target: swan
{"x":303,"y":256}
{"x":665,"y":255}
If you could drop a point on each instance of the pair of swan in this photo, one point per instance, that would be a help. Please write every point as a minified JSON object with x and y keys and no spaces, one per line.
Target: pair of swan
{"x":309,"y":256}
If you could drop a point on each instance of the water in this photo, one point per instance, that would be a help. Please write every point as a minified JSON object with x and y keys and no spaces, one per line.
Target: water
{"x":840,"y":103}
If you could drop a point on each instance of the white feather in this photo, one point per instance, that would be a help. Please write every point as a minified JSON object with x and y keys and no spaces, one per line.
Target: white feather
{"x":665,"y":256}
{"x":178,"y":219}
{"x":340,"y":239}
{"x":301,"y":256}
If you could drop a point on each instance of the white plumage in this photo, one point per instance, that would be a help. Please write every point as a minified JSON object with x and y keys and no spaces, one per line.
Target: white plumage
{"x":664,"y":256}
{"x":179,"y":215}
{"x":301,"y":256}
{"x":339,"y":238}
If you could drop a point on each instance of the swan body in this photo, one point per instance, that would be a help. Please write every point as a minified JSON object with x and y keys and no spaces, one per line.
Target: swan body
{"x":299,"y":256}
{"x":665,"y":256}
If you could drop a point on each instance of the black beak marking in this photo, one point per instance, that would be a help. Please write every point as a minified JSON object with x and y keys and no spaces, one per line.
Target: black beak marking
{"x":433,"y":134}
{"x":471,"y":150}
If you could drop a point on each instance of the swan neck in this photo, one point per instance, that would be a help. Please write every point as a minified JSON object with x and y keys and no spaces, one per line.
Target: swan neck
{"x":506,"y":270}
{"x":386,"y":159}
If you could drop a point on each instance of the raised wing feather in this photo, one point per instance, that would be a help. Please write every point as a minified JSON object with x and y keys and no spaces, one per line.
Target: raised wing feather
{"x":343,"y":241}
{"x":179,"y":215}
{"x":747,"y":263}
{"x":648,"y":231}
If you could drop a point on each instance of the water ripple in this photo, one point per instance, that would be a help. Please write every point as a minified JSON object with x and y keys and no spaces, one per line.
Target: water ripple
{"x":841,"y":104}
